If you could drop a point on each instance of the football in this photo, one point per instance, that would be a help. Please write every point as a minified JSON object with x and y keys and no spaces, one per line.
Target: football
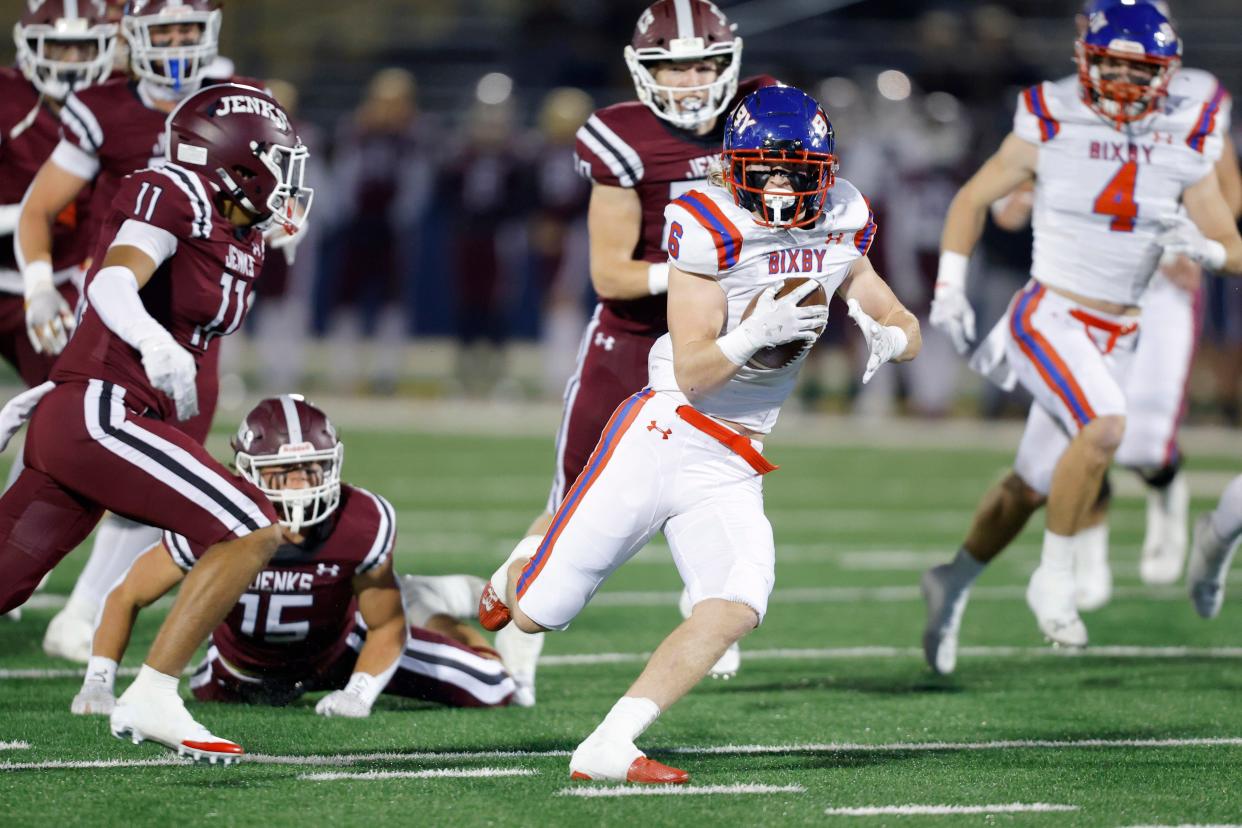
{"x":781,"y":355}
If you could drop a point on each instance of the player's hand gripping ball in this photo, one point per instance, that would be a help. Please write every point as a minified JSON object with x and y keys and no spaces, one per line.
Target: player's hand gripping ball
{"x":778,"y":356}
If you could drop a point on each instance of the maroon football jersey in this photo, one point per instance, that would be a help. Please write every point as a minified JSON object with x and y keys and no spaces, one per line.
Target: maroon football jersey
{"x":21,"y":157}
{"x":296,"y":615}
{"x":626,"y":145}
{"x":115,"y":124}
{"x":202,"y":292}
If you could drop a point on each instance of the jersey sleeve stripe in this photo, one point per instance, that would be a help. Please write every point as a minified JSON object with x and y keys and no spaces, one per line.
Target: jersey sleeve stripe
{"x":1044,"y":357}
{"x":83,"y":123}
{"x":175,"y":551}
{"x":864,"y":237}
{"x":382,"y":546}
{"x":617,"y":145}
{"x":201,"y":228}
{"x":1037,"y":106}
{"x":724,"y":232}
{"x":1197,"y":138}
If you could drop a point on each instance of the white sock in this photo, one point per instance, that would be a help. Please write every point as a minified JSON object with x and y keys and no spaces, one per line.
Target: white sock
{"x":150,"y":680}
{"x":1227,"y":517}
{"x":1058,"y":551}
{"x":1094,"y":537}
{"x":100,"y":670}
{"x":629,"y":717}
{"x":520,"y":653}
{"x":964,"y":568}
{"x":526,"y":548}
{"x":118,"y":544}
{"x":456,"y":596}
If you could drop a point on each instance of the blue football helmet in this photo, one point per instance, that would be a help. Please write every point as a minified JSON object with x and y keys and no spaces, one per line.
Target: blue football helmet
{"x":1126,"y":59}
{"x":779,"y":129}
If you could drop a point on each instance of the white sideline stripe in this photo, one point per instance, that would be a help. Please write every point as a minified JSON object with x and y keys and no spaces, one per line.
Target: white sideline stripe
{"x":346,"y":759}
{"x":905,"y":810}
{"x":435,"y":773}
{"x":681,"y":790}
{"x":779,"y":654}
{"x":14,"y":745}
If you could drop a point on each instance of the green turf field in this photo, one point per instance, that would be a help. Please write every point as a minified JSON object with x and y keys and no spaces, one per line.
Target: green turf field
{"x":833,"y":708}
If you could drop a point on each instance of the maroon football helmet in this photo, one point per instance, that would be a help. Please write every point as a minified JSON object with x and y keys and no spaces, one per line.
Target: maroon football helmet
{"x":241,"y":139}
{"x":282,"y":434}
{"x":684,"y":30}
{"x":64,"y":23}
{"x":181,"y":68}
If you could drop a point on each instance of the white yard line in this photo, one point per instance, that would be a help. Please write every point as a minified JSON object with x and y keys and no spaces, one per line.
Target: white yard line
{"x":909,"y":810}
{"x":347,"y":759}
{"x":434,"y":773}
{"x":14,"y":745}
{"x":680,"y":790}
{"x":778,"y":654}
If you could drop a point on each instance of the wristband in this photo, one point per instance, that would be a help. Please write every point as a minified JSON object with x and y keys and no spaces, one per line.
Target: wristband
{"x":657,"y":279}
{"x":36,"y":277}
{"x":952,"y":270}
{"x":101,"y":670}
{"x":737,"y":346}
{"x":368,"y":687}
{"x":9,"y":214}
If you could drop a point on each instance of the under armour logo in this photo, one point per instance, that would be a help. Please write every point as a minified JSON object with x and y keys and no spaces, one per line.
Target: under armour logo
{"x":1162,"y":137}
{"x":834,"y":238}
{"x":606,"y":341}
{"x":664,"y":432}
{"x":325,"y":569}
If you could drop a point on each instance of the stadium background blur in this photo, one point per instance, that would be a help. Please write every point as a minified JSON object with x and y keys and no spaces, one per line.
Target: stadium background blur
{"x":448,"y":253}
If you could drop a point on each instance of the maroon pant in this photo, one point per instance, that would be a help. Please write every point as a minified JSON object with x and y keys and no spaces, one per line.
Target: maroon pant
{"x":15,"y":344}
{"x":612,"y":365}
{"x":87,"y":452}
{"x":433,"y":668}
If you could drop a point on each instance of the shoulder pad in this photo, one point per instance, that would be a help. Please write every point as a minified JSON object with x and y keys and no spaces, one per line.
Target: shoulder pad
{"x":850,"y":213}
{"x":702,"y":236}
{"x":604,"y":147}
{"x":377,"y":528}
{"x":1035,"y":118}
{"x":169,"y":197}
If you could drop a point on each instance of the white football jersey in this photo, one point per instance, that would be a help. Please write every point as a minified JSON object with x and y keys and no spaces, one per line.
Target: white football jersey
{"x":711,"y":235}
{"x":1101,"y":191}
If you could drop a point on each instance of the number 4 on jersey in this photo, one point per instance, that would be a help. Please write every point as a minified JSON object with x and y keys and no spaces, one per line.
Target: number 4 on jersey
{"x":1117,"y":199}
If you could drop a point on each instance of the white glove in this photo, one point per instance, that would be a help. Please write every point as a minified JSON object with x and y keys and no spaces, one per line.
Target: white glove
{"x":49,"y":319}
{"x":18,"y":410}
{"x":1181,"y":237}
{"x":885,"y":341}
{"x":93,"y":699}
{"x":950,"y":309}
{"x":775,"y":322}
{"x":343,"y":703}
{"x":171,"y":369}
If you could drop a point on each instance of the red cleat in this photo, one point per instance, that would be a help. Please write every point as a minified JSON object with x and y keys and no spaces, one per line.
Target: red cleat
{"x":644,"y":771}
{"x":493,"y":614}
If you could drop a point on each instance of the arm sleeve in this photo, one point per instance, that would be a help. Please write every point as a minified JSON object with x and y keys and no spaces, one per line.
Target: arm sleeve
{"x":385,"y":538}
{"x":157,"y":243}
{"x":74,"y":160}
{"x":693,"y":244}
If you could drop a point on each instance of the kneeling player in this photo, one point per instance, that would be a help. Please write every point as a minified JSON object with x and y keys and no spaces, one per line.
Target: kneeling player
{"x":294,"y":629}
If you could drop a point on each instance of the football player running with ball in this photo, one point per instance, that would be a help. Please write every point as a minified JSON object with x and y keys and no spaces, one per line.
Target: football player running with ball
{"x":1123,"y":176}
{"x":294,"y":629}
{"x":685,"y":60}
{"x":683,"y":455}
{"x":174,"y":271}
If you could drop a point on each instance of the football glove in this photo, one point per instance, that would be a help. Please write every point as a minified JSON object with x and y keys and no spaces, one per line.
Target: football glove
{"x":774,"y":322}
{"x":343,"y":703}
{"x":950,"y":309}
{"x":94,"y":699}
{"x":1181,"y":237}
{"x":884,"y":341}
{"x":49,"y":319}
{"x":171,"y":369}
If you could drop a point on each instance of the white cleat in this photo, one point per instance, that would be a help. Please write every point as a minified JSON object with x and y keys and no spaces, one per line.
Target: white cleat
{"x":68,"y":636}
{"x":1050,"y":595}
{"x":1093,"y":579}
{"x":1209,"y":565}
{"x":520,"y":653}
{"x":164,"y":719}
{"x":727,"y":665}
{"x":93,"y":700}
{"x":946,"y":603}
{"x":1164,"y":545}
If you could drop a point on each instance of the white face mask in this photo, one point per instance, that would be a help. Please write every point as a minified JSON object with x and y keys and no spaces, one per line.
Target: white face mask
{"x":298,"y":508}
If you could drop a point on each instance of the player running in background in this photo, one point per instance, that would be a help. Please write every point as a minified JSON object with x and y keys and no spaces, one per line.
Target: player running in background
{"x":110,"y":131}
{"x":174,"y":271}
{"x":1113,"y":160}
{"x":685,"y":59}
{"x":683,"y":455}
{"x":1159,"y":378}
{"x":294,"y":630}
{"x":1216,"y":538}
